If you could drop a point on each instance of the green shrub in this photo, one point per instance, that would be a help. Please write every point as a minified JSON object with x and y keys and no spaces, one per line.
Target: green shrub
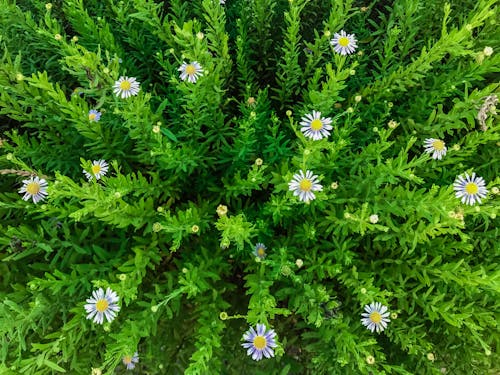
{"x":189,"y":184}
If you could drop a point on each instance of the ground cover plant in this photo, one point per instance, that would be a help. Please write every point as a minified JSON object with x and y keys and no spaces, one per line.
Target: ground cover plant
{"x":249,"y":187}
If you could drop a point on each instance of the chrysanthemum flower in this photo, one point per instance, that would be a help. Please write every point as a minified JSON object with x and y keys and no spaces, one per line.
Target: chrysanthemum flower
{"x":436,"y":147}
{"x":316,"y":127}
{"x":34,"y":188}
{"x":304,"y":185}
{"x":376,"y":317}
{"x":259,"y":342}
{"x":126,"y":87}
{"x":99,"y":169}
{"x":130,"y":361}
{"x":471,"y":189}
{"x":260,"y":250}
{"x":102,"y":305}
{"x":343,"y":43}
{"x":94,"y":115}
{"x":190,"y":71}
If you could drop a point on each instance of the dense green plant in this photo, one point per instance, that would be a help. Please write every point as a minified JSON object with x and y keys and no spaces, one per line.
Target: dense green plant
{"x":199,"y":173}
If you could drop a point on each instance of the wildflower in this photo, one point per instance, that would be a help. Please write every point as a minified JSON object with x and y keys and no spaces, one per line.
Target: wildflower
{"x":57,"y":37}
{"x":258,"y":162}
{"x":48,"y":6}
{"x":392,"y":124}
{"x":126,"y":87}
{"x":223,"y":315}
{"x":470,"y":188}
{"x":34,"y":188}
{"x":99,"y":169}
{"x":436,"y":147}
{"x":375,"y":317}
{"x":190,"y":71}
{"x":358,"y":98}
{"x":299,"y":263}
{"x":130,"y":361}
{"x":195,"y":228}
{"x":430,"y":357}
{"x":303,"y":185}
{"x":488,"y":51}
{"x":394,"y":316}
{"x":122,"y":277}
{"x":334,"y":185}
{"x":221,"y":210}
{"x":343,"y":43}
{"x":157,"y":227}
{"x":102,"y":305}
{"x":370,"y":359}
{"x":94,"y":115}
{"x":374,"y":219}
{"x":156,"y":129}
{"x":316,"y":127}
{"x":260,"y":250}
{"x":259,"y":342}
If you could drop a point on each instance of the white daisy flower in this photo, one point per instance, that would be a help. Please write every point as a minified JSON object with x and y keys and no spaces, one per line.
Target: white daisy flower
{"x":130,"y":361}
{"x":34,"y":188}
{"x":376,"y":317}
{"x":102,"y":305}
{"x":126,"y":87}
{"x":471,"y":189}
{"x":343,"y":43}
{"x":190,"y":71}
{"x":304,"y":185}
{"x":99,"y":169}
{"x":316,"y":127}
{"x":436,"y":147}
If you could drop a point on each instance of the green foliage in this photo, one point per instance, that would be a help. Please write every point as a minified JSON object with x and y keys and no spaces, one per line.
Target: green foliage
{"x":386,"y":226}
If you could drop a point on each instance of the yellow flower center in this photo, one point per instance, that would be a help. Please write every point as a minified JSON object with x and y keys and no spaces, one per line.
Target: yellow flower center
{"x":92,"y":116}
{"x":96,"y":168}
{"x":101,"y":305}
{"x":125,"y":85}
{"x":261,"y":252}
{"x":316,"y":124}
{"x":305,"y":185}
{"x":127,"y":359}
{"x":344,"y":41}
{"x":375,"y":317}
{"x":259,"y":342}
{"x":33,"y":188}
{"x":471,"y":188}
{"x":438,"y":145}
{"x":190,"y":69}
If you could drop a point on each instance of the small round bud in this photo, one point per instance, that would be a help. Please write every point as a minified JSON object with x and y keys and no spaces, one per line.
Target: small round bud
{"x":159,"y":209}
{"x":154,"y":308}
{"x":48,"y":6}
{"x":394,"y":316}
{"x":456,"y":147}
{"x":430,"y":357}
{"x":57,"y":37}
{"x":157,"y":227}
{"x":352,"y":72}
{"x":299,"y":263}
{"x":487,"y":51}
{"x":363,"y":290}
{"x":328,"y":33}
{"x":375,"y":129}
{"x":358,"y":98}
{"x":184,"y":270}
{"x":374,"y":219}
{"x":195,"y":228}
{"x":307,"y":152}
{"x":9,"y":156}
{"x":258,"y":162}
{"x":74,"y":39}
{"x":96,"y":371}
{"x":156,"y":129}
{"x":363,"y":9}
{"x":392,"y":124}
{"x":221,"y":210}
{"x":286,"y":270}
{"x":337,"y":105}
{"x":347,"y":215}
{"x":350,"y":110}
{"x":334,"y":185}
{"x":360,"y":53}
{"x":122,"y":277}
{"x":19,"y":77}
{"x":223,"y":315}
{"x":477,"y":209}
{"x":107,"y":328}
{"x":117,"y":195}
{"x":200,"y":35}
{"x":253,"y":114}
{"x":370,"y":360}
{"x":487,"y":352}
{"x":443,"y":370}
{"x":468,"y":27}
{"x":105,"y":70}
{"x":495,"y":190}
